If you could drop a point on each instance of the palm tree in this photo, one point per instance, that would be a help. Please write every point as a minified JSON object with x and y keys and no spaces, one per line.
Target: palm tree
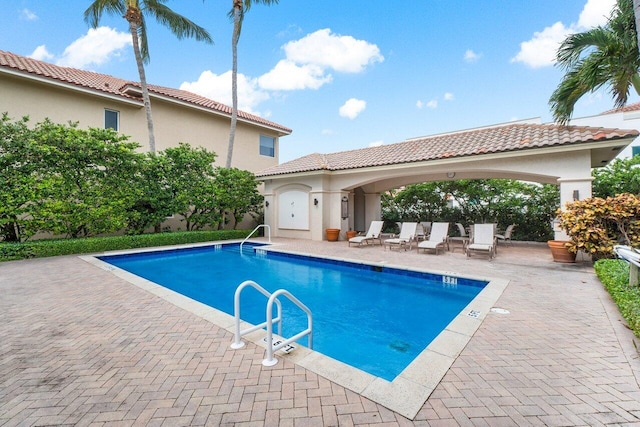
{"x":611,"y":58}
{"x":237,"y":13}
{"x":134,"y":11}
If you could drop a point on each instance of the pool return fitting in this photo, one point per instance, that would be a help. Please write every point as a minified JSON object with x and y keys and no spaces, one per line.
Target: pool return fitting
{"x":272,"y":299}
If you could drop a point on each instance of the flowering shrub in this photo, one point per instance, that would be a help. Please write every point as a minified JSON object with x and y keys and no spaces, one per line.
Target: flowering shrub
{"x":595,"y":225}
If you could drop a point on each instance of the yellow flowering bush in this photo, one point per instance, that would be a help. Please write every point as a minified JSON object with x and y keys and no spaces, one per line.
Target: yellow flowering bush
{"x":595,"y":224}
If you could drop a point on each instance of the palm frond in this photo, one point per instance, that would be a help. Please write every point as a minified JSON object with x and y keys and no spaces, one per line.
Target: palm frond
{"x":602,"y":56}
{"x":144,"y":41}
{"x":180,"y":26}
{"x":94,"y":12}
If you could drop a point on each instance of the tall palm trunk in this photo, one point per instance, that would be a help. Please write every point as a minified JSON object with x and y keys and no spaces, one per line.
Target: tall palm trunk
{"x":237,"y":8}
{"x":134,"y":17}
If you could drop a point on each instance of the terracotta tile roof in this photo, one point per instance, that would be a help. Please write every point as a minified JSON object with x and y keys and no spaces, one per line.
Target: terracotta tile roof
{"x":116,"y":86}
{"x":498,"y":139}
{"x":625,"y":109}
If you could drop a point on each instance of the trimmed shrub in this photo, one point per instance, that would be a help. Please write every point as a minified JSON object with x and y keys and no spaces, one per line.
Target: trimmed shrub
{"x":614,"y":275}
{"x":56,"y":247}
{"x":595,"y":224}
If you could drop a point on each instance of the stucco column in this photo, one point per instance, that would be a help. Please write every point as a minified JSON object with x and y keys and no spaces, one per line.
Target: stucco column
{"x":269,"y":209}
{"x":372,"y":208}
{"x":571,"y":189}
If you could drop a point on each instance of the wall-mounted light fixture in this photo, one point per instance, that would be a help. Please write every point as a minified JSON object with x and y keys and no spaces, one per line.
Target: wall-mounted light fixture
{"x":315,"y":202}
{"x":266,"y":203}
{"x":345,"y":207}
{"x":576,"y":194}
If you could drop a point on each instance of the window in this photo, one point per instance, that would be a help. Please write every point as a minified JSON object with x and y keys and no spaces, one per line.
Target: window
{"x":111,"y":119}
{"x":267,"y":146}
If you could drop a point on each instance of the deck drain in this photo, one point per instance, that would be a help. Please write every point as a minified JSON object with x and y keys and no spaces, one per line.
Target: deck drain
{"x":474,"y":313}
{"x":499,"y":310}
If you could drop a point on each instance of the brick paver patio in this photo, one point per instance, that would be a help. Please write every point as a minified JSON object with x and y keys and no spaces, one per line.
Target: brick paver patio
{"x":80,"y":346}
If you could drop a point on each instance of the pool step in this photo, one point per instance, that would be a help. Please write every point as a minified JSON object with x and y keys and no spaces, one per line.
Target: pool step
{"x":286,"y":349}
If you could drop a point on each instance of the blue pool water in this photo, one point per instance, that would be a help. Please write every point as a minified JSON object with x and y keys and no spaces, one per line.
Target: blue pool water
{"x":375,"y":318}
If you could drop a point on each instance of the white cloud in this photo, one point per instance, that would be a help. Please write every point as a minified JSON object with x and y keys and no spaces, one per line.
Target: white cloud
{"x":471,"y":57}
{"x":448,"y":96}
{"x":98,"y":46}
{"x":376,"y":143}
{"x":352,"y":108}
{"x":341,"y":53}
{"x":308,"y":60}
{"x":287,"y":75}
{"x":28,"y":15}
{"x":326,"y":132}
{"x":41,"y":53}
{"x":307,"y":65}
{"x":218,"y":88}
{"x":595,"y":13}
{"x":541,"y":49}
{"x":433,"y":104}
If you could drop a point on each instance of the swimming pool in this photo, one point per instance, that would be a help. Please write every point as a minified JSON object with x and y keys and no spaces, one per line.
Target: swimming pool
{"x":375,"y":318}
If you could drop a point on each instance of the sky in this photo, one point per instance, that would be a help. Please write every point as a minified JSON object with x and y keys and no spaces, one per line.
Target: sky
{"x":341,"y":74}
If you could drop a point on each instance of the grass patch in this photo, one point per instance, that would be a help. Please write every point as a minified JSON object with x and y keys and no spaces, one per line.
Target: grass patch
{"x":614,"y":275}
{"x":55,"y":247}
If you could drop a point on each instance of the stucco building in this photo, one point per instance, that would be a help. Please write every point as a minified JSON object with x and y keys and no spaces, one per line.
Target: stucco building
{"x":41,"y":90}
{"x":342,"y":190}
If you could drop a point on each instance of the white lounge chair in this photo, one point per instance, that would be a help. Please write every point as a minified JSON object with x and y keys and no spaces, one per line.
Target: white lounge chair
{"x":407,"y":236}
{"x":375,"y":228}
{"x":483,"y":240}
{"x":437,"y":238}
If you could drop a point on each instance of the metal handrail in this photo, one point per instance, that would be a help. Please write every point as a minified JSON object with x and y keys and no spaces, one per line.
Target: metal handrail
{"x":237,"y":342}
{"x":632,"y":256}
{"x":270,"y":360}
{"x":254,"y":230}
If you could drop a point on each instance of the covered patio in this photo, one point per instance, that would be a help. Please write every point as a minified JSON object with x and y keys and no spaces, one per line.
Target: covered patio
{"x":342,"y":190}
{"x":82,"y":346}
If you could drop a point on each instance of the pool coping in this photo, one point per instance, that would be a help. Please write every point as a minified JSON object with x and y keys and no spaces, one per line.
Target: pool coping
{"x":406,"y":394}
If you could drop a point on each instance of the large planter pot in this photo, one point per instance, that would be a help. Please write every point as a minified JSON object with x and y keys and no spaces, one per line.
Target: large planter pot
{"x":560,"y":252}
{"x":332,"y":234}
{"x":351,"y":234}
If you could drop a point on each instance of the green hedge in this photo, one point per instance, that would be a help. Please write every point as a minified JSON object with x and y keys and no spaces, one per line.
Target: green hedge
{"x":55,"y":247}
{"x":614,"y":275}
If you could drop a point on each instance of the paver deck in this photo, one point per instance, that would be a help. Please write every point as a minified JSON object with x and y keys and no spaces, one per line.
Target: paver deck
{"x":81,"y":346}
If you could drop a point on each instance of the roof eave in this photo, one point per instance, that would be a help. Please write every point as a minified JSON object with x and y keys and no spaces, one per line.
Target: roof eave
{"x":568,"y":147}
{"x":166,"y":98}
{"x":69,"y":86}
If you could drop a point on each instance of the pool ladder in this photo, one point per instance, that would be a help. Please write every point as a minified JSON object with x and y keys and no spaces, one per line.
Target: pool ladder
{"x":272,"y":298}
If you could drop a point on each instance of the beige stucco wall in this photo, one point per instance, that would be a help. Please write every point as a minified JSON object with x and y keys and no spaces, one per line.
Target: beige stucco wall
{"x":173,"y":123}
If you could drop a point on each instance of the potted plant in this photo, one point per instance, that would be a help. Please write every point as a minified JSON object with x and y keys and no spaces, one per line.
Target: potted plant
{"x":332,"y":234}
{"x":560,"y":251}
